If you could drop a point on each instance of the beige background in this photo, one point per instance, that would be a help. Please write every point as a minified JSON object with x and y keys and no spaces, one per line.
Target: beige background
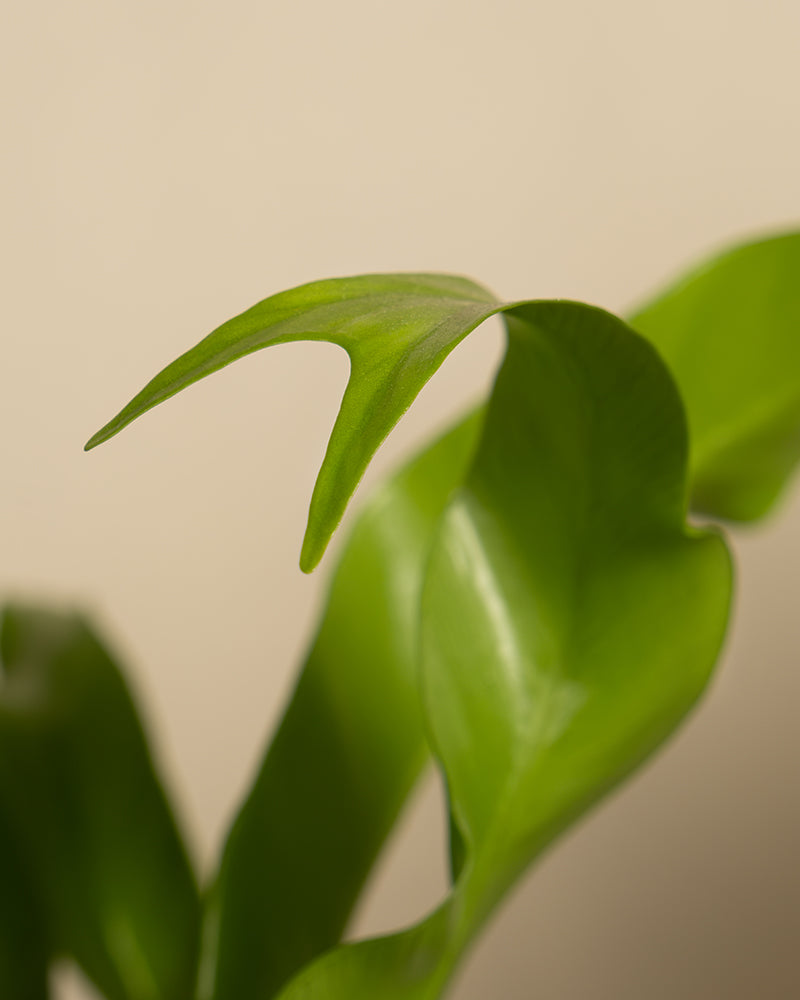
{"x":165,"y":165}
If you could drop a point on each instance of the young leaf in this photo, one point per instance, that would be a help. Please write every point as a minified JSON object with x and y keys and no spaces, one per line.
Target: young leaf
{"x":347,"y":753}
{"x":570,"y":619}
{"x":79,"y":789}
{"x":397,"y":330}
{"x":730,"y":334}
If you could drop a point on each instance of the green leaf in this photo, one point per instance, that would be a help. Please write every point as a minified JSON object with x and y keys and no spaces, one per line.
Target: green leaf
{"x":347,"y":753}
{"x":23,"y":938}
{"x":730,"y":334}
{"x":397,"y":330}
{"x":570,"y":620}
{"x":79,"y":789}
{"x":570,"y":617}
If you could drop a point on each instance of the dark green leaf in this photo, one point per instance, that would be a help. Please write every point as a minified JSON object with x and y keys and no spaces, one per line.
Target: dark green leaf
{"x":23,"y":938}
{"x":347,"y":753}
{"x":79,"y":789}
{"x":570,"y":620}
{"x":730,"y":334}
{"x":397,"y":330}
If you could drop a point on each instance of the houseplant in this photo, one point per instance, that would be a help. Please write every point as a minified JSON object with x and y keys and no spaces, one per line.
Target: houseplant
{"x":526,"y":599}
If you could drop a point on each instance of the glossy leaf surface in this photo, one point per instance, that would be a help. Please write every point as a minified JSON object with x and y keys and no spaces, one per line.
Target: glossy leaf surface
{"x":730,"y":334}
{"x":569,"y":621}
{"x":348,"y":750}
{"x":78,"y":787}
{"x":396,"y":329}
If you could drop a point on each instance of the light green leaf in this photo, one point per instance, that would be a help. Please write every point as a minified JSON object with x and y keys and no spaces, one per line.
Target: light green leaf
{"x":570,"y":620}
{"x":730,"y":334}
{"x":348,"y":750}
{"x":397,"y":330}
{"x":79,"y":790}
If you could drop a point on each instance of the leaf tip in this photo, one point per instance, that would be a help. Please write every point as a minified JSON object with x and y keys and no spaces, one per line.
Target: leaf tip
{"x":311,"y":553}
{"x":105,"y":432}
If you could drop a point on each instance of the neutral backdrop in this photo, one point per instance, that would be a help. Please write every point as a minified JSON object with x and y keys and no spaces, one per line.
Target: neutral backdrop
{"x":166,"y":164}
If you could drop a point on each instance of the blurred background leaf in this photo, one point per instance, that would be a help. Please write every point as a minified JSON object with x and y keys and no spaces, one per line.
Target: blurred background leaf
{"x":81,"y":795}
{"x":730,"y":334}
{"x":23,"y":936}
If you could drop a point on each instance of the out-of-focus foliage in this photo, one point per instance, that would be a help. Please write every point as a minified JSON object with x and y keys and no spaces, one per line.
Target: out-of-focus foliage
{"x":87,"y":813}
